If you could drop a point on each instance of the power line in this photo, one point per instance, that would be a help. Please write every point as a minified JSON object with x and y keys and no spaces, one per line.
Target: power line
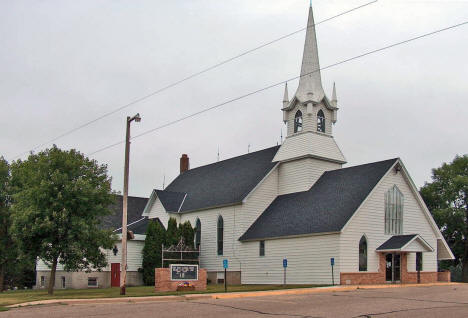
{"x":281,"y":83}
{"x":205,"y":70}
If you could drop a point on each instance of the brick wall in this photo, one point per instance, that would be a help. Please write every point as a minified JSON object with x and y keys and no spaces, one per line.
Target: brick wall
{"x":365,"y":278}
{"x":79,"y":280}
{"x":444,"y":276}
{"x":163,"y":280}
{"x":369,"y":278}
{"x":233,"y":277}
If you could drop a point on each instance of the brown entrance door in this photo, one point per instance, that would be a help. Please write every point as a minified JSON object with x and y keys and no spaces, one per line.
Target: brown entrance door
{"x":115,"y":274}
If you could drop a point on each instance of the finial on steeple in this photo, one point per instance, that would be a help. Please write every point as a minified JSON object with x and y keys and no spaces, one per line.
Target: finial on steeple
{"x":218,"y":153}
{"x":286,"y":95}
{"x":334,"y":100}
{"x":310,"y":4}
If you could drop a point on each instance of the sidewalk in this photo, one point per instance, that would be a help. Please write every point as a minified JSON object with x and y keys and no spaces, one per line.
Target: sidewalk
{"x":228,"y":295}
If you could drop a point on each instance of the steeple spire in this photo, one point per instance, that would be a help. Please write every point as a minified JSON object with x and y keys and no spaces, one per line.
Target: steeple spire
{"x":286,"y":96}
{"x":334,"y":100}
{"x":310,"y":84}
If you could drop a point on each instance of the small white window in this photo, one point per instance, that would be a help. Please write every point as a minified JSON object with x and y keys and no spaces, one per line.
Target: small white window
{"x":92,"y":282}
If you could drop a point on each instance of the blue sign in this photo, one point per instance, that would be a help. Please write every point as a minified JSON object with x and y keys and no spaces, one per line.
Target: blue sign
{"x":225,"y":263}
{"x":332,"y":261}
{"x":285,"y":262}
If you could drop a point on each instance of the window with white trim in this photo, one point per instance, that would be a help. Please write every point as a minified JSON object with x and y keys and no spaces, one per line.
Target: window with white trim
{"x":261,"y":251}
{"x":394,"y":211}
{"x":220,"y":235}
{"x":363,"y":254}
{"x":298,"y":122}
{"x":92,"y":282}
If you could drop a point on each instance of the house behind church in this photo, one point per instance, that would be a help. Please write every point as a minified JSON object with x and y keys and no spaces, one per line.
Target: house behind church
{"x":110,"y":275}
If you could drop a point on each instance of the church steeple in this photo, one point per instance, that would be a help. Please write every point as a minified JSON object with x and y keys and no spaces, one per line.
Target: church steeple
{"x":310,"y":114}
{"x":310,"y":84}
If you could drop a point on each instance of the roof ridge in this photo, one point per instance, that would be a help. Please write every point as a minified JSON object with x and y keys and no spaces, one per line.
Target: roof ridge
{"x":228,"y":159}
{"x":130,"y":196}
{"x":362,"y":165}
{"x":244,"y":155}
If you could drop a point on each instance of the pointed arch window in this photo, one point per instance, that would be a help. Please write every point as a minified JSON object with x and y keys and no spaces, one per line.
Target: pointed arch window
{"x":394,"y":211}
{"x":321,"y":121}
{"x":197,"y":234}
{"x":363,"y":254}
{"x":298,"y":121}
{"x":220,"y":235}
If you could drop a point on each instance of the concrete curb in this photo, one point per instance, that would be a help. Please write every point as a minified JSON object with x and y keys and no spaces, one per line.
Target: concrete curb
{"x":230,"y":295}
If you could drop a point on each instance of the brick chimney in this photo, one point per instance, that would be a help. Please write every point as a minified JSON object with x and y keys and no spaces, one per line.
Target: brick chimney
{"x":184,"y":163}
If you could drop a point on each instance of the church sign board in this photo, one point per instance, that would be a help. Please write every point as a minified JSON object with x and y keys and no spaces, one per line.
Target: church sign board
{"x":184,"y":272}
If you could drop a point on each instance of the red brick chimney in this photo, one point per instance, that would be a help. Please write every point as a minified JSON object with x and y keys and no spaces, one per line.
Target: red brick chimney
{"x":184,"y":163}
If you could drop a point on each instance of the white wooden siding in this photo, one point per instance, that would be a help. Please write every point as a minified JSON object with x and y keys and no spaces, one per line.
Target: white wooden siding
{"x":300,"y":175}
{"x":158,"y":211}
{"x":209,"y":258}
{"x":134,"y":257}
{"x":309,"y":144}
{"x":308,"y":260}
{"x":237,"y":219}
{"x":309,"y":121}
{"x":370,"y":220}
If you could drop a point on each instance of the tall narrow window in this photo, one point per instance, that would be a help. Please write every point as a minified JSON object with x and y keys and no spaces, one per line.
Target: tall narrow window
{"x":363,"y":254}
{"x":220,"y":235}
{"x":197,"y":234}
{"x":261,"y":251}
{"x":63,"y":282}
{"x":394,"y":211}
{"x":320,"y":121}
{"x":298,"y":121}
{"x":419,"y":261}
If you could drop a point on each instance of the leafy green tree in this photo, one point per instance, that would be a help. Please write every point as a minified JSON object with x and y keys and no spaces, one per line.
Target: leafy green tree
{"x":155,"y":238}
{"x":446,"y":198}
{"x":187,"y":232}
{"x":172,"y":234}
{"x":7,"y":248}
{"x":59,"y":199}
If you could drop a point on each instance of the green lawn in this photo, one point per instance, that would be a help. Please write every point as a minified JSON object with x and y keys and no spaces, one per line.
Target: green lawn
{"x":22,"y":296}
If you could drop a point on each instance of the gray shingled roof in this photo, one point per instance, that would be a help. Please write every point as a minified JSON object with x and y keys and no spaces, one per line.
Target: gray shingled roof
{"x":325,"y":207}
{"x":222,"y":183}
{"x":170,"y":200}
{"x":135,"y":208}
{"x":396,"y":242}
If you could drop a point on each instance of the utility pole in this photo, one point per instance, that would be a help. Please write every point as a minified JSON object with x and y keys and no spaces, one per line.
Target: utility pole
{"x":123,"y":276}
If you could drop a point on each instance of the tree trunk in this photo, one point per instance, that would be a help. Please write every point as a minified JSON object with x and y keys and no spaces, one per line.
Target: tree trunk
{"x":2,"y":277}
{"x":50,"y":291}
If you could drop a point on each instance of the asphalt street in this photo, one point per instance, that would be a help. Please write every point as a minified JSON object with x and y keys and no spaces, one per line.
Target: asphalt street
{"x":435,"y":301}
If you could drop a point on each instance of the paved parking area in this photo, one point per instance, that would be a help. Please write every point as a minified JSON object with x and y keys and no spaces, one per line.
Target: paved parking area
{"x":435,"y":301}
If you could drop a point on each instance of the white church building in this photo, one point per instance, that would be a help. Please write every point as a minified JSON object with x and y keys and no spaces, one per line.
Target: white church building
{"x":297,"y":202}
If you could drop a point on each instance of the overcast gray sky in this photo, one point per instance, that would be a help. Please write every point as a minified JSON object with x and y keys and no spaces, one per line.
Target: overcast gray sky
{"x":66,"y":62}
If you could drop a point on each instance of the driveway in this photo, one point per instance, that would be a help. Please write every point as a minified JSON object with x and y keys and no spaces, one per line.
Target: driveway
{"x":434,"y":301}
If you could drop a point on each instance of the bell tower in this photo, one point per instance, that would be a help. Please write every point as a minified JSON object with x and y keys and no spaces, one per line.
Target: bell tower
{"x":309,"y":117}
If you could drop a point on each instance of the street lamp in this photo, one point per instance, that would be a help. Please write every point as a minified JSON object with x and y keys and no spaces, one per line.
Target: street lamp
{"x":123,"y":276}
